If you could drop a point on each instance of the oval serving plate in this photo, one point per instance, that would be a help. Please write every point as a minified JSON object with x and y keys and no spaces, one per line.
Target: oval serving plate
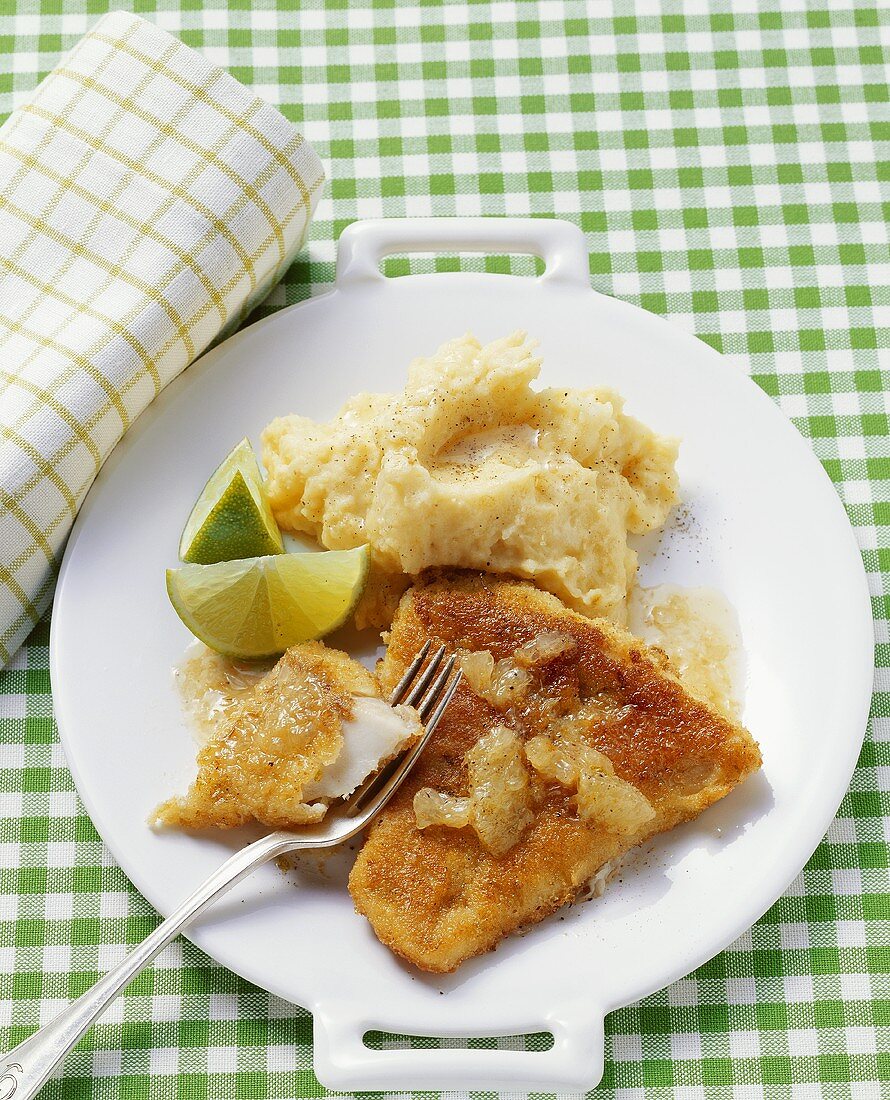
{"x":760,"y":521}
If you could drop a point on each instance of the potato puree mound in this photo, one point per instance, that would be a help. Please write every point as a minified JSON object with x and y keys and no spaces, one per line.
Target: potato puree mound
{"x":471,"y":467}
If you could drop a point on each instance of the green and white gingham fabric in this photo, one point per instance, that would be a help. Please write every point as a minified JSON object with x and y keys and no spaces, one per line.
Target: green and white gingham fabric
{"x":729,"y":163}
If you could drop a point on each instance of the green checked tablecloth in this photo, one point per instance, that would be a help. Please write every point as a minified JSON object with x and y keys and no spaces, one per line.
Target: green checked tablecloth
{"x":729,"y":164}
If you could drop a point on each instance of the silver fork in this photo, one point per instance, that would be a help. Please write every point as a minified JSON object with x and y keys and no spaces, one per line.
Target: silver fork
{"x":26,"y":1069}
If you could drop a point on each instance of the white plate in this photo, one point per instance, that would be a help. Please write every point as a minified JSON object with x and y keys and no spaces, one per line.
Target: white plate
{"x":762,"y":523}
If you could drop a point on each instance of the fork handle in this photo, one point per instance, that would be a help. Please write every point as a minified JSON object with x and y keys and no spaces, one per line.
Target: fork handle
{"x":24,"y":1070}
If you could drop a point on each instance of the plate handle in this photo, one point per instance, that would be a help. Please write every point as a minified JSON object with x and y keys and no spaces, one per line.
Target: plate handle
{"x":573,"y":1064}
{"x":560,"y":244}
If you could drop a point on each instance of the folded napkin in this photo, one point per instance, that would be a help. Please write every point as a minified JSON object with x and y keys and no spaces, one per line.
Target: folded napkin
{"x":147,"y":201}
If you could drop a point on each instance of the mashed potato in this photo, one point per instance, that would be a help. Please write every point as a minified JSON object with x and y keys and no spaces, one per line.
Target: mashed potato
{"x":470,"y":467}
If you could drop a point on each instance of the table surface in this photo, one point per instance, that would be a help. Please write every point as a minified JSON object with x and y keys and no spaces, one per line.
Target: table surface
{"x":729,"y":164}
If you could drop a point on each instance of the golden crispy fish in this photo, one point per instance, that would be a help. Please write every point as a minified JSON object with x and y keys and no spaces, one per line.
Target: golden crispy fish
{"x":308,"y":732}
{"x":592,"y":745}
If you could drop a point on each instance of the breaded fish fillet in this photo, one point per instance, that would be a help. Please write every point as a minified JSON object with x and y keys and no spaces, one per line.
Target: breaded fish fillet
{"x":437,"y":896}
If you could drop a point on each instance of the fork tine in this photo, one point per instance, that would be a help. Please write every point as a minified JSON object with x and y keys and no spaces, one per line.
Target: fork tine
{"x":432,"y":696}
{"x":410,"y":673}
{"x":419,"y":689}
{"x":443,"y":703}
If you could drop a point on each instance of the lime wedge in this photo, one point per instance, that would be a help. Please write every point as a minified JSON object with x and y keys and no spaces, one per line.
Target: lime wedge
{"x":258,"y":607}
{"x":232,"y":518}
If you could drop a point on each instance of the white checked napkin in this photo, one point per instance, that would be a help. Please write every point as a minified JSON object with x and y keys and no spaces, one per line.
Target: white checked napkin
{"x":147,"y":201}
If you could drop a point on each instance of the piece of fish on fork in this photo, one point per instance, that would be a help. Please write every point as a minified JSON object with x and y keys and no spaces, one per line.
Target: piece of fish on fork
{"x":428,"y":685}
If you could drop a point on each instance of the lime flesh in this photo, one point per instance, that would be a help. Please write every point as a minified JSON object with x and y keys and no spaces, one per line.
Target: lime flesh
{"x":232,"y":518}
{"x":259,"y":607}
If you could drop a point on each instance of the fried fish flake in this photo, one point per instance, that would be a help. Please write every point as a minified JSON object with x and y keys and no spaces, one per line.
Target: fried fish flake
{"x":307,"y":733}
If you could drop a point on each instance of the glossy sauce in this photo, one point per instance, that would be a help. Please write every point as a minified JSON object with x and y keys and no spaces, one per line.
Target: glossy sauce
{"x":699,"y":631}
{"x":211,"y":686}
{"x":510,"y":444}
